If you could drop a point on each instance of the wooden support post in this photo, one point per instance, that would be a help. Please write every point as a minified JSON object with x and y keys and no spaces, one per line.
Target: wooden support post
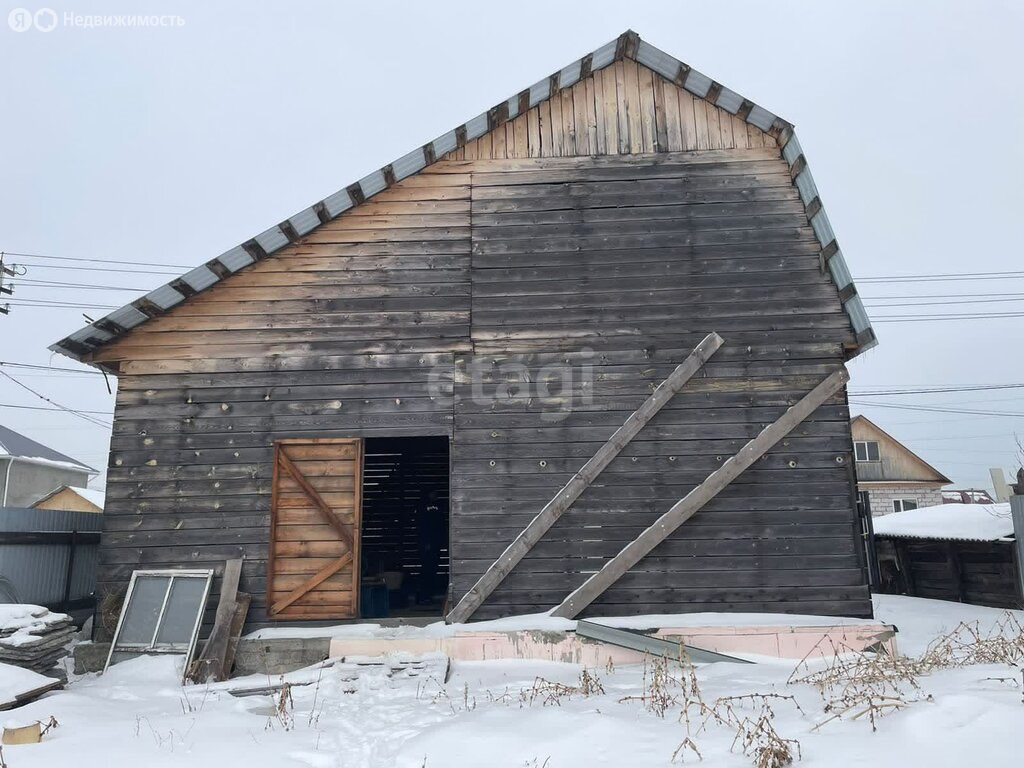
{"x":906,"y":566}
{"x":572,"y":490}
{"x":1017,"y":514}
{"x":956,"y":576}
{"x":210,"y":663}
{"x":689,"y":505}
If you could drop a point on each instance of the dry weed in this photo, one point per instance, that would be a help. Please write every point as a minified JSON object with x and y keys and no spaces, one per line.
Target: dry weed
{"x":668,"y":685}
{"x":283,"y":708}
{"x":662,"y":689}
{"x":858,"y":684}
{"x":550,"y":693}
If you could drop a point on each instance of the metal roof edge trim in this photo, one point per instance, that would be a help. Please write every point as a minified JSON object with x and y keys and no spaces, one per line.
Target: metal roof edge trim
{"x":832,"y":258}
{"x":627,"y":45}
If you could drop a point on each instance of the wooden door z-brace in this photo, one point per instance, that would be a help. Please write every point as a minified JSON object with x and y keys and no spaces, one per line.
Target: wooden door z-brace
{"x":688,"y":506}
{"x":572,"y":490}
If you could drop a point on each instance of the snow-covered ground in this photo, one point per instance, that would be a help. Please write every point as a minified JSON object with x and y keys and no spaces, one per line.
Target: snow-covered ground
{"x":496,"y":715}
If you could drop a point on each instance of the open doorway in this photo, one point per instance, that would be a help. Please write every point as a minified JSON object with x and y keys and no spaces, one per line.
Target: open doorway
{"x":404,"y":547}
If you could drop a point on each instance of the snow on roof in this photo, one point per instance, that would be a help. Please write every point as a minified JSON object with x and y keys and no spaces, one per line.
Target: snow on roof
{"x":25,"y":448}
{"x":963,"y":522}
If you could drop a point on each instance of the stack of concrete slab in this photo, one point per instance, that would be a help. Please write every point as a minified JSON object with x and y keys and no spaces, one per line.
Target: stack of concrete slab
{"x":34,"y":638}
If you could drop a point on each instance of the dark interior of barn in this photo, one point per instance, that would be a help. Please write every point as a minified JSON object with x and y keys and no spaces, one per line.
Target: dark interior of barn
{"x":405,"y":525}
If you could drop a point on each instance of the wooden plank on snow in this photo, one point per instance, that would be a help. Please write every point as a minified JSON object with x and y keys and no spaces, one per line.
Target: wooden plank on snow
{"x":572,"y":490}
{"x":689,"y":505}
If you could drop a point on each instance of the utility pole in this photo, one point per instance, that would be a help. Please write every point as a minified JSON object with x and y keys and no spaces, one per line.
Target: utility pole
{"x":5,"y":290}
{"x":1017,"y":514}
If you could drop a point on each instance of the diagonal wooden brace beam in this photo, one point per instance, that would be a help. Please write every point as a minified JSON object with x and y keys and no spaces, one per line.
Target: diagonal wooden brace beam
{"x":690,"y":504}
{"x":322,"y":575}
{"x":572,"y":490}
{"x":311,"y":493}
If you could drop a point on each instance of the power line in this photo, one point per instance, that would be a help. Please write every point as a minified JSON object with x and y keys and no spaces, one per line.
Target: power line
{"x":938,"y":390}
{"x":935,"y":409}
{"x":56,"y":410}
{"x":942,"y":277}
{"x":96,"y":261}
{"x":103,"y":269}
{"x":941,"y":296}
{"x":45,"y":304}
{"x":938,"y":318}
{"x":64,"y":284}
{"x":91,"y":372}
{"x":869,"y":303}
{"x":959,"y":438}
{"x":80,"y":414}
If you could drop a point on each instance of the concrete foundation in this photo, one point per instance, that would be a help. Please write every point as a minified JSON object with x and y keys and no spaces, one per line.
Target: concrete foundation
{"x":278,"y":655}
{"x":783,"y":642}
{"x":274,"y":656}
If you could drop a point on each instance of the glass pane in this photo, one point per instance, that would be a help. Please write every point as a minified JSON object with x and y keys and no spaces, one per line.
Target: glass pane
{"x":184,"y":604}
{"x":860,"y":451}
{"x":118,"y":656}
{"x":873,"y":454}
{"x":143,"y":610}
{"x":908,"y":504}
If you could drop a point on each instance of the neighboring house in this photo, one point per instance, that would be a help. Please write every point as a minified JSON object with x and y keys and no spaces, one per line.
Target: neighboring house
{"x":375,"y":397}
{"x":72,"y":499}
{"x":960,"y":552}
{"x":30,"y":470}
{"x":891,"y":476}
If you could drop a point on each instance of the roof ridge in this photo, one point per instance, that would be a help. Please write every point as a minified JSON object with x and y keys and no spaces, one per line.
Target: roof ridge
{"x":628,"y":45}
{"x":49,"y":454}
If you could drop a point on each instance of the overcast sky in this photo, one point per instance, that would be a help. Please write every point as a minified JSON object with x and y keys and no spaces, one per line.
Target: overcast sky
{"x":171,"y":145}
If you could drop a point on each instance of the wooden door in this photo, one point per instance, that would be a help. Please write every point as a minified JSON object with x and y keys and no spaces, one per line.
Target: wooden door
{"x":316,"y":511}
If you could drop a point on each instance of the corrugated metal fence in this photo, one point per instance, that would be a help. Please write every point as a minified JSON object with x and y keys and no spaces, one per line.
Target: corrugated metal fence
{"x":49,"y":556}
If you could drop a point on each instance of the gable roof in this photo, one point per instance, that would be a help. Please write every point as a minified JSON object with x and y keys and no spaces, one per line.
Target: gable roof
{"x":81,"y":344}
{"x":94,"y":497}
{"x":16,"y":445}
{"x":939,"y":477}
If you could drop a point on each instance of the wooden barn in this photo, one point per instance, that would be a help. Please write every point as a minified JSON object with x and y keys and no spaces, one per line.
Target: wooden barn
{"x":586,"y":350}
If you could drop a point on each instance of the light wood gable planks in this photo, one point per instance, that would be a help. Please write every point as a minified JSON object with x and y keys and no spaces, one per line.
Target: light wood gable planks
{"x":552,"y":96}
{"x":622,"y":109}
{"x":389,"y":276}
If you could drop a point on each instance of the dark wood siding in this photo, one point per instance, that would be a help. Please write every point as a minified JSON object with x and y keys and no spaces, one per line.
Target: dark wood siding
{"x":633,"y":261}
{"x":350,"y":336}
{"x":976,"y":572}
{"x":495,"y":272}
